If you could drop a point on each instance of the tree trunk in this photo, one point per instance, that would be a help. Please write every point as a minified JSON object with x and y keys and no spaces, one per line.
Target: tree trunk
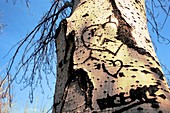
{"x":106,"y":61}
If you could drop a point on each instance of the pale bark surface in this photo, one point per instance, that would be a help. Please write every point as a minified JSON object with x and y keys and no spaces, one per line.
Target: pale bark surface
{"x":106,"y":61}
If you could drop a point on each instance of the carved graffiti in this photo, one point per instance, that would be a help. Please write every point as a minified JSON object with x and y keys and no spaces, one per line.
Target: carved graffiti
{"x":94,"y":39}
{"x":134,"y":94}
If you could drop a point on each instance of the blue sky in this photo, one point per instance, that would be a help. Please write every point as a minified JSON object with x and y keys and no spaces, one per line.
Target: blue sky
{"x":20,"y":20}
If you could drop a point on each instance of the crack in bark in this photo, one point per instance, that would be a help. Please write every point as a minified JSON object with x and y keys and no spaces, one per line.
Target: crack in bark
{"x":70,"y":48}
{"x":158,"y":72}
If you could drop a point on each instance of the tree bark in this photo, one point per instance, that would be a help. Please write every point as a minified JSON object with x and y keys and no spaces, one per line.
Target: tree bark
{"x":106,"y":61}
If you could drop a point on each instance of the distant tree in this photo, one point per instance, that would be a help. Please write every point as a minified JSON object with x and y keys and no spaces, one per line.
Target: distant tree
{"x":105,"y":58}
{"x":4,"y":99}
{"x":5,"y":96}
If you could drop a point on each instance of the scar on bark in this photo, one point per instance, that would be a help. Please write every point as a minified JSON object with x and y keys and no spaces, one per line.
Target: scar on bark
{"x":86,"y":86}
{"x":69,"y":51}
{"x":124,"y":33}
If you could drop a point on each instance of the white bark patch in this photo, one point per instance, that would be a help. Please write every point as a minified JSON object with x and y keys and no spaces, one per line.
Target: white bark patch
{"x":133,"y":12}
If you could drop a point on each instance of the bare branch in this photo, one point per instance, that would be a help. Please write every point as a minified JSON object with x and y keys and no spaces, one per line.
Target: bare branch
{"x":38,"y":49}
{"x":153,"y":8}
